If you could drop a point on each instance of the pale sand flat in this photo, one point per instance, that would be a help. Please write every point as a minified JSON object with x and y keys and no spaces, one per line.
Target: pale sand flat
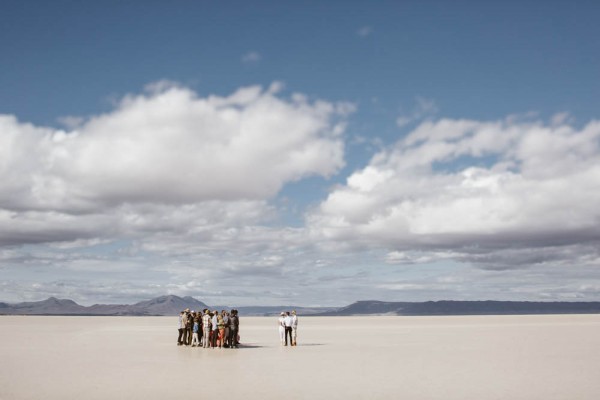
{"x":488,"y":357}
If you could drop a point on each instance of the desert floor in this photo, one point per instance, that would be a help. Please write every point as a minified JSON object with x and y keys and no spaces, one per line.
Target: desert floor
{"x":474,"y":357}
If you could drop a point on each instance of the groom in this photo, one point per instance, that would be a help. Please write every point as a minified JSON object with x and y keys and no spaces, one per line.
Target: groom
{"x":287,"y":322}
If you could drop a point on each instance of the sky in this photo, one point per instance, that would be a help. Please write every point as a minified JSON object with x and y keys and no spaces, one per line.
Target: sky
{"x":299,"y":153}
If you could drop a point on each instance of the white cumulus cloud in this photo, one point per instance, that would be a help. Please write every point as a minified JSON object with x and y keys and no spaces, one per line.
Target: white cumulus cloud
{"x":129,"y":170}
{"x":471,"y":187}
{"x":252,"y":57}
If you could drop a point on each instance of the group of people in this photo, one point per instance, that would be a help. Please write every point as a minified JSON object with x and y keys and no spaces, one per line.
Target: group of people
{"x":209,"y":329}
{"x":288,"y":326}
{"x":214,"y":329}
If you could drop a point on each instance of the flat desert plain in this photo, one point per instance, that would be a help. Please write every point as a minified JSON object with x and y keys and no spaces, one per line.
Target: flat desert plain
{"x":383,"y":357}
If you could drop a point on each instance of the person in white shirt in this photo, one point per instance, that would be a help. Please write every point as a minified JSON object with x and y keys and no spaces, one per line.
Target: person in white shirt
{"x":294,"y":328}
{"x":287,"y":322}
{"x":206,"y":327}
{"x":281,"y":327}
{"x":215,"y":329}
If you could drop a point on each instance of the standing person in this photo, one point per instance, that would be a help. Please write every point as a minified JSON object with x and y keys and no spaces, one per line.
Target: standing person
{"x":180,"y":329}
{"x":226,"y":321}
{"x":287,"y":322}
{"x":186,"y":326}
{"x":221,"y":327}
{"x":294,"y":328}
{"x":199,"y":315}
{"x":234,"y":327}
{"x":195,"y":329}
{"x":189,"y":327}
{"x":281,"y":327}
{"x":215,"y":329}
{"x":206,"y":327}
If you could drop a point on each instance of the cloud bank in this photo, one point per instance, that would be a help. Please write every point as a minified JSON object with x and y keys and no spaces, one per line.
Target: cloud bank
{"x":220,"y":158}
{"x":172,"y":192}
{"x":501,"y":194}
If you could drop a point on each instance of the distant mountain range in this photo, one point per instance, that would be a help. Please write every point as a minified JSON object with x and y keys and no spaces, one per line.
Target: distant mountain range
{"x":373,"y":307}
{"x":172,"y":305}
{"x":163,"y":305}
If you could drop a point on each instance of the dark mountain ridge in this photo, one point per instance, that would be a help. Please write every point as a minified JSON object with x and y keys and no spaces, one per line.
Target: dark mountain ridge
{"x":450,"y":307}
{"x":48,"y":306}
{"x":163,"y":305}
{"x":172,"y":305}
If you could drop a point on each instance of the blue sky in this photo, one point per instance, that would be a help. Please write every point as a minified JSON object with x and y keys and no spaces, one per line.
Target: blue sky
{"x":351,"y":150}
{"x":475,"y":60}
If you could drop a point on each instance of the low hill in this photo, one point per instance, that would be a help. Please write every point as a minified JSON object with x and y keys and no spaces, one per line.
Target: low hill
{"x":172,"y":305}
{"x":373,"y":307}
{"x":50,"y":306}
{"x":163,"y":305}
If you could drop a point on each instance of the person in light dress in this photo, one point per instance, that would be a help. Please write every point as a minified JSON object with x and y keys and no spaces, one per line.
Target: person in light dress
{"x":281,"y":323}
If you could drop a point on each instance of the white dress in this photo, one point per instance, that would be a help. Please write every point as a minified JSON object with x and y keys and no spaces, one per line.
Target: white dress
{"x":281,"y":329}
{"x":294,"y":328}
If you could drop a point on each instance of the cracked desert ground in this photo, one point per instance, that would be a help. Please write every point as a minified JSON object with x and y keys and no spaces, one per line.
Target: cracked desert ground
{"x":377,"y":357}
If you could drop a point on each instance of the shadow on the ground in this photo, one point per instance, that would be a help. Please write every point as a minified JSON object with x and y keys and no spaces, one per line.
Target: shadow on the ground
{"x":249,"y":346}
{"x":256,"y":346}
